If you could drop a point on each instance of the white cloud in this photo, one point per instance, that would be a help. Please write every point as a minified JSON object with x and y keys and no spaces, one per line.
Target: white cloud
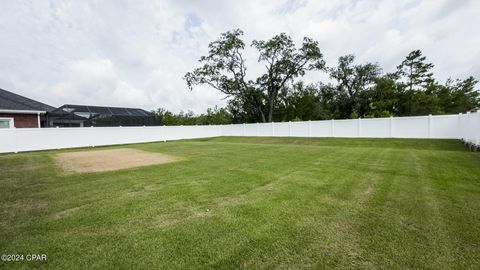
{"x":134,"y":53}
{"x":96,"y":81}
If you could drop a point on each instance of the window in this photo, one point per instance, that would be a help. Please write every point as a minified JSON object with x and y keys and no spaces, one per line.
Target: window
{"x":6,"y":123}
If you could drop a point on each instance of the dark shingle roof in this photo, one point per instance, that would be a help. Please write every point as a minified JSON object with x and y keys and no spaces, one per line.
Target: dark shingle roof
{"x":12,"y":101}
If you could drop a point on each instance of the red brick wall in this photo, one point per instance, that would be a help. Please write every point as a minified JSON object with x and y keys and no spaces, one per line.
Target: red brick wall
{"x":23,"y":120}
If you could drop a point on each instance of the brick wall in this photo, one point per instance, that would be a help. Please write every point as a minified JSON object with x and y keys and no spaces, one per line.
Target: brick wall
{"x":23,"y":120}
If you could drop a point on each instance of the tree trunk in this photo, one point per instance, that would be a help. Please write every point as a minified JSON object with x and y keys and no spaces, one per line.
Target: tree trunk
{"x":262,"y":115}
{"x":271,"y":101}
{"x":270,"y":110}
{"x":260,"y":112}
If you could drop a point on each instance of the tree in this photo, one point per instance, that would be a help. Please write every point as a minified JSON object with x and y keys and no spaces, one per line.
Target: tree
{"x":458,"y":96}
{"x":284,"y":63}
{"x":414,"y":75}
{"x":357,"y":90}
{"x":351,"y":81}
{"x":383,"y":98}
{"x":214,"y":116}
{"x":414,"y":72}
{"x":301,"y":102}
{"x":224,"y":69}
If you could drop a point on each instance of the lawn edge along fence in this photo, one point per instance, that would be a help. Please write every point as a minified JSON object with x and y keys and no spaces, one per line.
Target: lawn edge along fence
{"x":465,"y":127}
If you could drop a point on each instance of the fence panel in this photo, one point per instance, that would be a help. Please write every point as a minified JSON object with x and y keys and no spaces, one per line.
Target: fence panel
{"x":265,"y":129}
{"x":477,"y":125}
{"x":445,"y":126}
{"x":8,"y":141}
{"x":281,"y":129}
{"x":464,"y":126}
{"x":300,"y":129}
{"x":232,"y":130}
{"x":321,"y":128}
{"x":470,"y":127}
{"x":250,"y":130}
{"x":375,"y":128}
{"x":346,"y":128}
{"x":410,"y":127}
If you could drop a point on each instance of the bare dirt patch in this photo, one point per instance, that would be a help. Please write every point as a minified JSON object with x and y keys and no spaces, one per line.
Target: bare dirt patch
{"x":109,"y":160}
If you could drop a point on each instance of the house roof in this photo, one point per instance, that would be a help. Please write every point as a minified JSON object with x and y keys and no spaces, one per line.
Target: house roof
{"x":13,"y":102}
{"x":88,"y":112}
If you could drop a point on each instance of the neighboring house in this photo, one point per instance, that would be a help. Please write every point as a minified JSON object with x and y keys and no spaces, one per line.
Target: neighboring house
{"x":85,"y":116}
{"x":17,"y":111}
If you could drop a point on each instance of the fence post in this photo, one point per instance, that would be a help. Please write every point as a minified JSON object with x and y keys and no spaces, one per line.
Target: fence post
{"x":391,"y":126}
{"x":244,"y":129}
{"x":478,"y":130}
{"x":257,"y":129}
{"x":273,"y":129}
{"x":289,"y":129}
{"x":429,"y":126}
{"x":459,"y":127}
{"x":15,"y":140}
{"x":359,"y":127}
{"x":144,"y":134}
{"x":333,"y":127}
{"x":309,"y":128}
{"x":467,"y":128}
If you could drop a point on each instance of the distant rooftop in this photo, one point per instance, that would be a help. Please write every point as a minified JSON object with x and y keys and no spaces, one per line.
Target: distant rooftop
{"x":12,"y":101}
{"x":87,"y":111}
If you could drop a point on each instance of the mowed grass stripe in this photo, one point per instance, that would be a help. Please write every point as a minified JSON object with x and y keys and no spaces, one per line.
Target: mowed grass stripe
{"x":251,"y":203}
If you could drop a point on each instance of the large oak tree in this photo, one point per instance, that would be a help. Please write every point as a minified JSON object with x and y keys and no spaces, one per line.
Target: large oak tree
{"x":224,"y":69}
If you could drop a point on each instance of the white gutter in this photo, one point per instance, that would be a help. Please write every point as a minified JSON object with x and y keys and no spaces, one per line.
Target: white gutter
{"x":22,"y":111}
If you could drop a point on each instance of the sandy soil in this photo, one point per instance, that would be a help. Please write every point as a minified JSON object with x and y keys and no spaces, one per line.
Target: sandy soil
{"x":109,"y":160}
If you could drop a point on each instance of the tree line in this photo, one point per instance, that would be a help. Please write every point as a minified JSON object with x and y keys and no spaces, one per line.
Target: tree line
{"x":354,"y":91}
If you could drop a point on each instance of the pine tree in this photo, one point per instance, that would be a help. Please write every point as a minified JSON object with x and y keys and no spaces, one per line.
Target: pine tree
{"x":415,"y":74}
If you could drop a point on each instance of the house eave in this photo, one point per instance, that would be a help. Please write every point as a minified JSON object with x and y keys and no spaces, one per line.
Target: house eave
{"x":22,"y":111}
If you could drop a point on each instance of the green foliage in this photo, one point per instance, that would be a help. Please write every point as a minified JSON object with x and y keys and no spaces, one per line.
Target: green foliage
{"x":356,"y":90}
{"x":213,"y":116}
{"x":414,"y":73}
{"x":352,"y":80}
{"x":354,"y":115}
{"x":296,"y":119}
{"x":382,"y":99}
{"x":458,"y":96}
{"x":224,"y":69}
{"x":300,"y":102}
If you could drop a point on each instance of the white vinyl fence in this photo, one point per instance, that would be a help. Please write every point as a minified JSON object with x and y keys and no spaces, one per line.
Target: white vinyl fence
{"x":459,"y":126}
{"x":30,"y":139}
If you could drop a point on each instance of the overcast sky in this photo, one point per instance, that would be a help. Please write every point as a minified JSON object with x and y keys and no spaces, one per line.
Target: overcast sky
{"x":135,"y":53}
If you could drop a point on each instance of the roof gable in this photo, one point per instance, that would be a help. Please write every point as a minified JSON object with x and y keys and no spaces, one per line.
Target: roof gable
{"x":12,"y":101}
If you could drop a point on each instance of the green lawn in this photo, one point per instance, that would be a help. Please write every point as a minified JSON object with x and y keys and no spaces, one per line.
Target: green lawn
{"x":268,"y":203}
